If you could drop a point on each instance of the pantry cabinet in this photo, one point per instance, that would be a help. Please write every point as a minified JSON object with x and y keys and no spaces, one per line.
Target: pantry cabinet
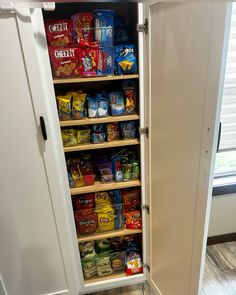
{"x":180,"y":53}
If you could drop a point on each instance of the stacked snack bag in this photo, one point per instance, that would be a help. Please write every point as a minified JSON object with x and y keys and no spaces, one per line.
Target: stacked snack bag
{"x":84,"y":46}
{"x":116,"y":166}
{"x":103,"y":257}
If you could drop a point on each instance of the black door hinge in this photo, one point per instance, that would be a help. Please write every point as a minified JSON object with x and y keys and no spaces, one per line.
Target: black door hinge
{"x":143,"y":27}
{"x":145,"y":207}
{"x":145,"y":265}
{"x":144,"y":131}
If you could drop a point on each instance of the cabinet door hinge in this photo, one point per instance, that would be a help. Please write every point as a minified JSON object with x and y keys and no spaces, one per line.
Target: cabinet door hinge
{"x":145,"y":207}
{"x":143,"y":27}
{"x":144,"y":131}
{"x":145,"y":265}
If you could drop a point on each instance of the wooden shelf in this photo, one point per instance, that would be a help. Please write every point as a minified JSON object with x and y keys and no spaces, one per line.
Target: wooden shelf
{"x":116,"y":275}
{"x":104,"y":145}
{"x":109,"y":119}
{"x":98,"y":187}
{"x":106,"y":235}
{"x":94,"y":79}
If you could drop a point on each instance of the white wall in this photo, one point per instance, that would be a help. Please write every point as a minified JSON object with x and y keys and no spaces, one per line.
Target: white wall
{"x":223,"y":215}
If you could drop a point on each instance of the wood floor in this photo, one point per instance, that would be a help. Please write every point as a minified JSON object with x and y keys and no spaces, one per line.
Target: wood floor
{"x":219,"y":275}
{"x":220,"y":270}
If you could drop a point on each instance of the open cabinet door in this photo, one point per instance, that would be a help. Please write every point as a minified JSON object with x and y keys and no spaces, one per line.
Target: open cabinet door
{"x":185,"y":43}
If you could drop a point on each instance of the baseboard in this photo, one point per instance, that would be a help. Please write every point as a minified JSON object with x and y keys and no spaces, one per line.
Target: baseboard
{"x":221,"y":239}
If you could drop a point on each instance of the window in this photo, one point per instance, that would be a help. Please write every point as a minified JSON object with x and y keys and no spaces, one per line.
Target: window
{"x":226,"y":157}
{"x":225,"y":167}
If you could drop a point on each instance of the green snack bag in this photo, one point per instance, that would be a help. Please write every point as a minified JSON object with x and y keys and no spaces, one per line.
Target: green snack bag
{"x":89,"y":268}
{"x":103,"y":265}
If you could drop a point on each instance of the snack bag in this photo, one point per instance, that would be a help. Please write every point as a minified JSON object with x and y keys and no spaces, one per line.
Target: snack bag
{"x":128,"y":129}
{"x":103,"y":246}
{"x":76,"y":175}
{"x":104,"y":27}
{"x":82,"y":26}
{"x":117,"y":244}
{"x":59,"y":32}
{"x":64,"y":106}
{"x":127,"y":170}
{"x":105,"y":62}
{"x":133,"y":219}
{"x":118,"y":261}
{"x":117,"y":103}
{"x":87,"y":250}
{"x":88,"y":58}
{"x":125,"y":59}
{"x":68,"y":137}
{"x":103,"y":265}
{"x":83,"y":136}
{"x":112,"y":131}
{"x":78,"y":104}
{"x":89,"y":268}
{"x":86,"y":222}
{"x":106,"y":218}
{"x":102,"y":199}
{"x":133,"y":263}
{"x":64,"y":61}
{"x":81,"y":202}
{"x":117,"y":168}
{"x":121,"y":30}
{"x":105,"y":170}
{"x":131,"y":199}
{"x":103,"y":105}
{"x":98,"y":134}
{"x":92,"y":107}
{"x":130,"y":91}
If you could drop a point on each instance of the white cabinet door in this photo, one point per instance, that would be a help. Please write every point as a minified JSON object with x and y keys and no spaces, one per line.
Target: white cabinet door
{"x":37,"y":255}
{"x":185,"y":52}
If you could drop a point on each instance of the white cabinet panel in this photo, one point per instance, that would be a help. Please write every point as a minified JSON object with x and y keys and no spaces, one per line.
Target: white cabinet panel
{"x":31,"y":261}
{"x":185,"y":50}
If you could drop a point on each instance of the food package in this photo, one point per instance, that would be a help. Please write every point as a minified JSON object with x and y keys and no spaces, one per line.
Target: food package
{"x":64,"y":106}
{"x":59,"y":32}
{"x":130,"y":92}
{"x":131,"y":199}
{"x":105,"y":62}
{"x":64,"y":61}
{"x":68,"y":137}
{"x":86,"y":221}
{"x":85,"y":201}
{"x":103,"y":265}
{"x":87,"y":249}
{"x":125,"y":59}
{"x":78,"y":104}
{"x":112,"y":131}
{"x":128,"y":130}
{"x":83,"y":26}
{"x":106,"y":218}
{"x":104,"y":27}
{"x":117,"y":103}
{"x":133,"y":263}
{"x":92,"y":103}
{"x":83,"y":136}
{"x":89,"y":268}
{"x":118,"y":261}
{"x":88,"y":58}
{"x":133,"y":219}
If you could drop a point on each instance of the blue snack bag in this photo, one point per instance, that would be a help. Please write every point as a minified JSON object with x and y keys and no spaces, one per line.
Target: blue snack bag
{"x":104,"y":27}
{"x":103,"y":105}
{"x":117,"y":103}
{"x":92,"y":104}
{"x":126,"y":60}
{"x":105,"y":62}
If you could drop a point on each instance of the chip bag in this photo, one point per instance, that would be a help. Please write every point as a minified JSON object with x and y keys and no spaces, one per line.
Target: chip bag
{"x":133,"y":219}
{"x":64,"y":106}
{"x":59,"y":32}
{"x":125,"y":59}
{"x":88,"y":58}
{"x":133,"y":263}
{"x":78,"y":104}
{"x":106,"y":218}
{"x":82,"y":26}
{"x":81,"y":202}
{"x":64,"y":61}
{"x":68,"y":137}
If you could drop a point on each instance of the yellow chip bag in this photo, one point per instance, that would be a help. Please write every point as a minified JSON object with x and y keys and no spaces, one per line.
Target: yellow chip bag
{"x":78,"y":104}
{"x":102,"y":199}
{"x":64,"y":106}
{"x":106,"y":218}
{"x":68,"y":137}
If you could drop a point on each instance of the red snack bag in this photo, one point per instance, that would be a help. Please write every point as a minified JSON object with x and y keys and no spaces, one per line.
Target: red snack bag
{"x":86,"y":221}
{"x":82,"y":26}
{"x":133,"y":219}
{"x":64,"y":61}
{"x":86,"y":201}
{"x":131,"y":199}
{"x":88,"y":58}
{"x":59,"y":32}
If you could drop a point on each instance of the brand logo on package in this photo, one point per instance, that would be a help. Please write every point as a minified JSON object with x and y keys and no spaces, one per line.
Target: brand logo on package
{"x":64,"y":53}
{"x":58,"y":27}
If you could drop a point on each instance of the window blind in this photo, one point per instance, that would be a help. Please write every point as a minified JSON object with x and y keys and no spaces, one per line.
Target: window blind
{"x":228,"y":111}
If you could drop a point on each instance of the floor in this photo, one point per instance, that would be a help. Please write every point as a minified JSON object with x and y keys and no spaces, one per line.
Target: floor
{"x":219,"y":275}
{"x":220,"y":270}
